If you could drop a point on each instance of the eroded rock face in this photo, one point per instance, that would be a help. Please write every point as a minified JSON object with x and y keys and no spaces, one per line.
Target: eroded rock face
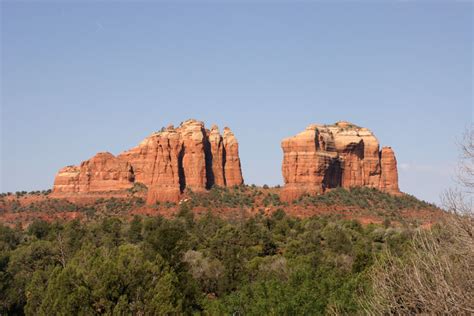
{"x":167,"y":162}
{"x":156,"y":164}
{"x":217,"y":156}
{"x":232,"y":169}
{"x":103,"y":172}
{"x":389,"y":175}
{"x":340,"y":155}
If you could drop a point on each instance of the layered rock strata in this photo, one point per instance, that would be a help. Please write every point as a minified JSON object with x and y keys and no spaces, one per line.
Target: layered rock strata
{"x":103,"y":172}
{"x":167,"y":162}
{"x":340,"y":155}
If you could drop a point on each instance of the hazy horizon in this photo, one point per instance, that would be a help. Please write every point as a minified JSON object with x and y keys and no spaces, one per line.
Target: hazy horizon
{"x":80,"y":78}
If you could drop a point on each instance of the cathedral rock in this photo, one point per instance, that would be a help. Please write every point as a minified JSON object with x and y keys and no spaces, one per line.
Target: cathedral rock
{"x":167,"y":162}
{"x":340,"y":155}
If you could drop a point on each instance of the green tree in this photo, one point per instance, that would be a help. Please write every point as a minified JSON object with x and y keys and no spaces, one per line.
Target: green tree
{"x":98,"y":281}
{"x":24,"y":261}
{"x":135,"y":230}
{"x":39,"y":228}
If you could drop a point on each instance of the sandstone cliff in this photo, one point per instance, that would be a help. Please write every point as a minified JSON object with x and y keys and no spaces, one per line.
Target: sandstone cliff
{"x":340,"y":155}
{"x":167,"y":162}
{"x":103,"y":172}
{"x":232,"y":170}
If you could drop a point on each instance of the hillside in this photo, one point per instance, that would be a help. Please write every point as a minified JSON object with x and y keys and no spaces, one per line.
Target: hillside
{"x":364,"y":204}
{"x":243,"y":253}
{"x":185,"y":264}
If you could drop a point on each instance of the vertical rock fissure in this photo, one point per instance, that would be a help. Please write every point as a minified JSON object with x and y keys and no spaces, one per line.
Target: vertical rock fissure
{"x":181,"y":174}
{"x":208,"y":159}
{"x":224,"y":160}
{"x":131,"y":174}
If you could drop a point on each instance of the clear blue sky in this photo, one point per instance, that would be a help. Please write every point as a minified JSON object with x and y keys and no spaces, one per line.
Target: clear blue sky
{"x":85,"y":77}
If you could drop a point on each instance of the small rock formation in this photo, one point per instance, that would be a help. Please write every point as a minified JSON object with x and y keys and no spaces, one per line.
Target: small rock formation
{"x":103,"y":172}
{"x":340,"y":155}
{"x":232,"y":170}
{"x":389,"y":173}
{"x":167,"y":162}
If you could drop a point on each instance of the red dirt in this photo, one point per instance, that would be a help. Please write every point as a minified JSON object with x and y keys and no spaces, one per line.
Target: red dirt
{"x":9,"y":214}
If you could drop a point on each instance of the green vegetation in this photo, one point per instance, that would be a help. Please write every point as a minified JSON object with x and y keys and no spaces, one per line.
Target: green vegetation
{"x":99,"y":209}
{"x":108,"y":263}
{"x":50,"y":205}
{"x":152,"y":265}
{"x":364,"y":198}
{"x":138,"y":188}
{"x":272,"y":199}
{"x":271,"y":263}
{"x":237,"y":196}
{"x":23,"y":193}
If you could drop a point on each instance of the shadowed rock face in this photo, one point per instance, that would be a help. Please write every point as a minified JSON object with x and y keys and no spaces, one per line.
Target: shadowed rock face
{"x":167,"y":162}
{"x":340,"y":155}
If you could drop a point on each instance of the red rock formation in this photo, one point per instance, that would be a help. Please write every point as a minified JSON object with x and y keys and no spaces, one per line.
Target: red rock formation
{"x":156,"y":164}
{"x":167,"y":162}
{"x":103,"y":172}
{"x":217,"y":155}
{"x":306,"y":162}
{"x":193,"y":136}
{"x":340,"y":155}
{"x":232,"y":170}
{"x":389,"y":175}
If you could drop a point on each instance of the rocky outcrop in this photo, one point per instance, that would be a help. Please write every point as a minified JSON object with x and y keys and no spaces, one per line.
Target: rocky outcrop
{"x":389,"y":173}
{"x":217,"y":156}
{"x":232,"y":170}
{"x":167,"y":162}
{"x":340,"y":155}
{"x":156,"y":164}
{"x":103,"y":172}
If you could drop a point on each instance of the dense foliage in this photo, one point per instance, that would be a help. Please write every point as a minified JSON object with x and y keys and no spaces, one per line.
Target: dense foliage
{"x":152,"y":265}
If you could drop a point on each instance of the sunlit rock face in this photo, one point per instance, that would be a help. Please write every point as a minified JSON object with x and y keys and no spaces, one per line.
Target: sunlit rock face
{"x":340,"y":155}
{"x":103,"y":172}
{"x":167,"y":162}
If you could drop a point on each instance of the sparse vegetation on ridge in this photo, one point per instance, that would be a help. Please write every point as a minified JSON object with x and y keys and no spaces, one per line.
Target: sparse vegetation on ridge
{"x":365,"y":198}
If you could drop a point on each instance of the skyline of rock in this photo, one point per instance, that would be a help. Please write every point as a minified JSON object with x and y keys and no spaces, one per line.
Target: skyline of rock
{"x":192,"y":157}
{"x":167,"y":162}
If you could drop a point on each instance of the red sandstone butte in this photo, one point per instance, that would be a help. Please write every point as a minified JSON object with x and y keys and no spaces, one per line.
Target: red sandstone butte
{"x":167,"y":162}
{"x":340,"y":155}
{"x":103,"y":172}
